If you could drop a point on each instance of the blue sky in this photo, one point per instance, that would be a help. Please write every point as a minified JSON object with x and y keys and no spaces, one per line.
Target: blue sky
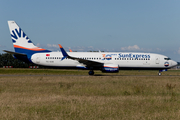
{"x":83,"y":25}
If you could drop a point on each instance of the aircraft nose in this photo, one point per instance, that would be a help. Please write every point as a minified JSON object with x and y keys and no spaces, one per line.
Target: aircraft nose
{"x":178,"y":63}
{"x":174,"y":63}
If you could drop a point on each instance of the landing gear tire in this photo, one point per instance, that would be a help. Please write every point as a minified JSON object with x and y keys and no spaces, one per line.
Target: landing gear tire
{"x":91,"y":72}
{"x":159,"y":74}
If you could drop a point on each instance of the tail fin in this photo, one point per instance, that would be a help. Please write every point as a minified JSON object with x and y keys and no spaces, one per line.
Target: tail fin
{"x":21,"y":42}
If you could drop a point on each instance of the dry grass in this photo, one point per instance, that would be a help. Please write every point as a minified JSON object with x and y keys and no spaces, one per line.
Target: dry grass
{"x":90,"y":97}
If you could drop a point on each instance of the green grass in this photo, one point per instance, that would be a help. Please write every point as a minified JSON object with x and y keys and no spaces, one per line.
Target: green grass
{"x":40,"y":71}
{"x":90,"y":97}
{"x":83,"y":72}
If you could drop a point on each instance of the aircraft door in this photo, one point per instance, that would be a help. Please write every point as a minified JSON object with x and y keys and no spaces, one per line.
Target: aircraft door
{"x":157,"y":60}
{"x":38,"y":58}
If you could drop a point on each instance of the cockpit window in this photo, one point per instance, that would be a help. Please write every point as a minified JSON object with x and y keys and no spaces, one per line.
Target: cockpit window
{"x":167,"y":58}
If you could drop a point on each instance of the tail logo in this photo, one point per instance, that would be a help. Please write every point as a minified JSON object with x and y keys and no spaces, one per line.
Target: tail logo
{"x":19,"y":35}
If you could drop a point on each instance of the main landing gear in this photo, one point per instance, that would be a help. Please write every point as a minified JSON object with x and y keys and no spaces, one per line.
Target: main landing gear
{"x":91,"y":72}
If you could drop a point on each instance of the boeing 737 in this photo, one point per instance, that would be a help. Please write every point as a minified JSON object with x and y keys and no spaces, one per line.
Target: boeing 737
{"x":109,"y":62}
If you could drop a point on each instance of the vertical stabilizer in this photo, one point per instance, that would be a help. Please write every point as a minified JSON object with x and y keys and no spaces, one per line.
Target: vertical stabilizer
{"x":21,"y":42}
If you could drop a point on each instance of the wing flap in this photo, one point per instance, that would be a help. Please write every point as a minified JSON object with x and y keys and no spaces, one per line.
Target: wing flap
{"x":86,"y":62}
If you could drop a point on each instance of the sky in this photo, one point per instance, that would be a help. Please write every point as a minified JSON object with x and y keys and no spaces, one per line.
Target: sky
{"x":151,"y":26}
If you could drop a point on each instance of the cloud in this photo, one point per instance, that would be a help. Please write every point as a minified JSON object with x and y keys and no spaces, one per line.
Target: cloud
{"x":135,"y":48}
{"x":52,"y":46}
{"x":131,"y":48}
{"x":55,"y":47}
{"x":158,"y":50}
{"x":91,"y":47}
{"x":179,"y":51}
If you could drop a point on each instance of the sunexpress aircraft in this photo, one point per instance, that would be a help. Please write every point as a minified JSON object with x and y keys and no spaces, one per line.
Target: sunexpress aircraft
{"x":109,"y":62}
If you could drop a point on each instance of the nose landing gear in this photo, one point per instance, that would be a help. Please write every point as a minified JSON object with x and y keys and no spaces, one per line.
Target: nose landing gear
{"x":161,"y":71}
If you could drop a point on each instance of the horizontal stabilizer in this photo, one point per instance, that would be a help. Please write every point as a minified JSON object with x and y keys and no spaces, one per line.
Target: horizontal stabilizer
{"x":14,"y":53}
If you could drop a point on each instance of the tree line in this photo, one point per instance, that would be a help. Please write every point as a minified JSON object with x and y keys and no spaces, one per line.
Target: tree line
{"x":7,"y":59}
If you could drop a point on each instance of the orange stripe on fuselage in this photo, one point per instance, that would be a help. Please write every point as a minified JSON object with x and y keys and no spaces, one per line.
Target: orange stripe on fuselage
{"x":110,"y":67}
{"x":34,"y":49}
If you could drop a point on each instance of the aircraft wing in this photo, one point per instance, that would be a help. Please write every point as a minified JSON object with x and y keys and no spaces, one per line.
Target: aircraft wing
{"x":84,"y":61}
{"x":14,"y":53}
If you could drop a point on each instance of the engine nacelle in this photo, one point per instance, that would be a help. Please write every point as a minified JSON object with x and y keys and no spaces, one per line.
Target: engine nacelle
{"x":110,"y":68}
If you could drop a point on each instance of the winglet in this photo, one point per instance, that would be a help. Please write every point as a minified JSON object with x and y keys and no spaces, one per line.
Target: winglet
{"x":65,"y":55}
{"x":70,"y":50}
{"x":60,"y":46}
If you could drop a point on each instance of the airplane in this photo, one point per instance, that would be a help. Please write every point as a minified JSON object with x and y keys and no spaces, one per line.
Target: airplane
{"x":109,"y":62}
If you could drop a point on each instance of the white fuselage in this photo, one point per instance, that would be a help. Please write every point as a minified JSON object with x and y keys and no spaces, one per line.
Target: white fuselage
{"x":123,"y":60}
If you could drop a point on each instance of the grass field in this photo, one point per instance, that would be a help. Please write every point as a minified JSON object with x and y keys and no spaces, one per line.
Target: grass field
{"x":103,"y":96}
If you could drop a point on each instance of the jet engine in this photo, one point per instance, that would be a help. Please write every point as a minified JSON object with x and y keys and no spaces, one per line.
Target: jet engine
{"x":110,"y":68}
